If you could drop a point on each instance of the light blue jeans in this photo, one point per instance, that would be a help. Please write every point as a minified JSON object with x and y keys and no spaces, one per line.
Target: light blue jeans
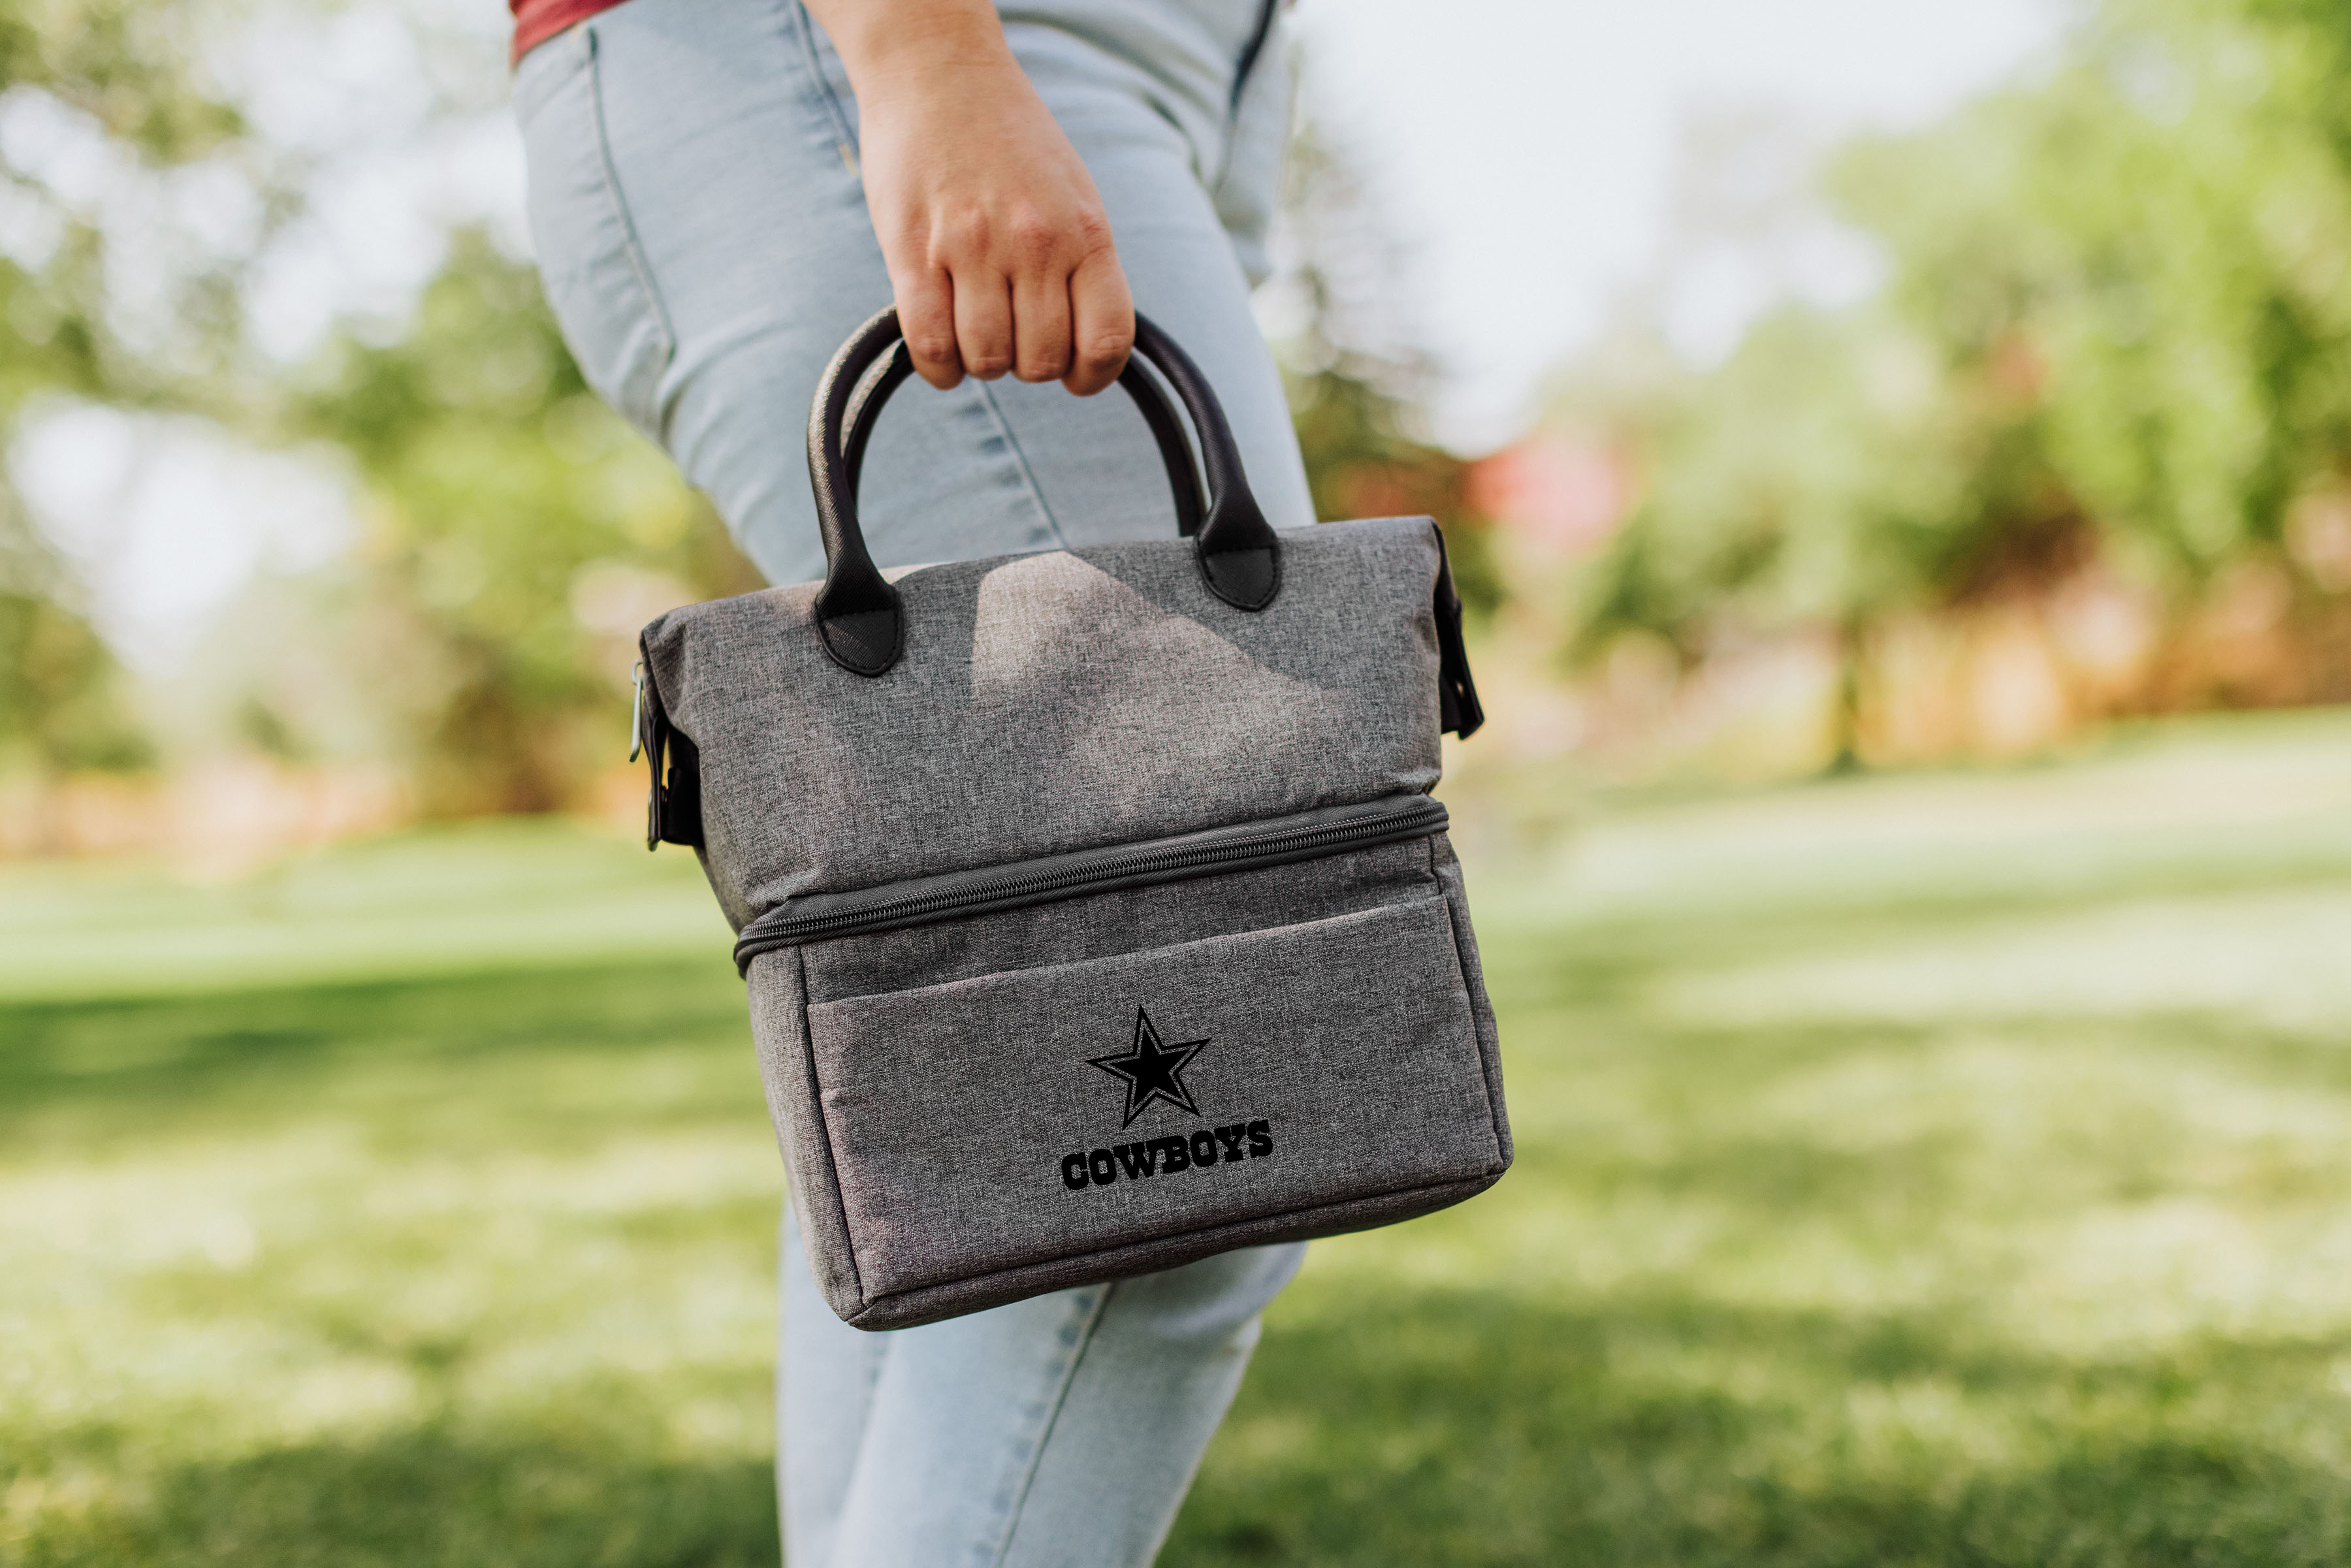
{"x":702,"y":231}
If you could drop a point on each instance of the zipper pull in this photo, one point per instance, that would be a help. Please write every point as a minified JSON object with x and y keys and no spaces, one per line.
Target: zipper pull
{"x":637,"y":711}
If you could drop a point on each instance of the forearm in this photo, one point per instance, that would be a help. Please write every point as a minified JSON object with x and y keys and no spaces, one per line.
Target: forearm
{"x":1001,"y":255}
{"x":895,"y":47}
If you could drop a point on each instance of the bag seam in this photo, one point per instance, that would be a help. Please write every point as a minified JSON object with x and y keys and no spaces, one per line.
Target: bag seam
{"x":966,"y":1281}
{"x":824,"y":1132}
{"x":1435,"y":896}
{"x":1468,"y":998}
{"x":1200,"y":873}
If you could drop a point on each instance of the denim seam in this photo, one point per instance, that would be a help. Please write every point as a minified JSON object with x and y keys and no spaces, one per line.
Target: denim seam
{"x":1246,"y":73}
{"x":1020,"y":463}
{"x":806,"y":27}
{"x":631,"y":246}
{"x":1052,"y":1416}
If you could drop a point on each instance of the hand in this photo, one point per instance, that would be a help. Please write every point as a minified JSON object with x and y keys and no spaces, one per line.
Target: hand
{"x":999,"y":250}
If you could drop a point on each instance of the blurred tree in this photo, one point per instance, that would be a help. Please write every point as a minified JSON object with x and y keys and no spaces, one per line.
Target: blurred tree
{"x":506,"y":510}
{"x":77,"y":75}
{"x":512,"y":530}
{"x":2159,"y":235}
{"x":2115,"y":325}
{"x":63,"y":703}
{"x":1355,"y":382}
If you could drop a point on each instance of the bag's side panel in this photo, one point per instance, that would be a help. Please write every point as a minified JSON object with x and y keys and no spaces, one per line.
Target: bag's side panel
{"x":1448,"y":869}
{"x":787,"y":1071}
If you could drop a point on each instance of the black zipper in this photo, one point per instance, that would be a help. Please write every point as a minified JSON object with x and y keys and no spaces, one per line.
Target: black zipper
{"x":1308,"y":835}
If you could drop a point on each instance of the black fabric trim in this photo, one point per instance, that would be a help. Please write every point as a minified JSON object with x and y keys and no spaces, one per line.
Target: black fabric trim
{"x":1458,"y":709}
{"x":673,"y":801}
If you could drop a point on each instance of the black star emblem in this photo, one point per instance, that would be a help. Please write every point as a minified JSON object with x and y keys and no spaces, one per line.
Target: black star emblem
{"x":1151,"y":1071}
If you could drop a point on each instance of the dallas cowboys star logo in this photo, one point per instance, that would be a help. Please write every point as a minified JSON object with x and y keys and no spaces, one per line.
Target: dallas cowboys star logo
{"x":1151,"y":1071}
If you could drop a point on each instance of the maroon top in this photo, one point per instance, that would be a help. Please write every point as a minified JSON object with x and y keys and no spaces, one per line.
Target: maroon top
{"x":536,"y":21}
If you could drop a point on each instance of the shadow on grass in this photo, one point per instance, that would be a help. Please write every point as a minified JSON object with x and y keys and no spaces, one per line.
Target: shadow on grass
{"x":248,"y":1045}
{"x":1439,"y":1428}
{"x":1472,"y":1429}
{"x":428,"y":1498}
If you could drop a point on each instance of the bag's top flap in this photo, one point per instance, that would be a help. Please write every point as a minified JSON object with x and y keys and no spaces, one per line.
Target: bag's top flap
{"x":1052,"y":702}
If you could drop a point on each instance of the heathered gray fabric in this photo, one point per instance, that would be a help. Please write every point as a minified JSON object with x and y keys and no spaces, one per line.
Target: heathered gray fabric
{"x":1135,"y":920}
{"x":1054,"y":702}
{"x":1447,"y":871}
{"x":1297,"y":1022}
{"x":927,"y":1084}
{"x":924,"y":1126}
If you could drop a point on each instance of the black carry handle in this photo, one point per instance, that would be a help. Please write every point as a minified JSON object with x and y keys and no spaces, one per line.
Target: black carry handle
{"x":858,"y":614}
{"x":1174,"y":447}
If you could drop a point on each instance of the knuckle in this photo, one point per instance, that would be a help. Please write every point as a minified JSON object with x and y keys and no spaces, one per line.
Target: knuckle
{"x":965,"y":235}
{"x":1102,"y":349}
{"x":931,"y":347}
{"x":1048,"y":366}
{"x":1034,"y":238}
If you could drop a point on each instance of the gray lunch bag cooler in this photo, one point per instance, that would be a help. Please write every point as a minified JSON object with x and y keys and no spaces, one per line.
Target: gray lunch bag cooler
{"x":1094,"y":910}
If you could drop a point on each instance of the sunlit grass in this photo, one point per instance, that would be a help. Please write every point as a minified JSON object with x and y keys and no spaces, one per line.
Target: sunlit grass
{"x":1935,"y":1170}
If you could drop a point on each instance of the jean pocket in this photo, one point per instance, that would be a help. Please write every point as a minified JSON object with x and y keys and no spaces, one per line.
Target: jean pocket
{"x":592,"y":268}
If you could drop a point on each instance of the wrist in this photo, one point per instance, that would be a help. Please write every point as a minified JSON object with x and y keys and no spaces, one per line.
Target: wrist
{"x":890,"y":46}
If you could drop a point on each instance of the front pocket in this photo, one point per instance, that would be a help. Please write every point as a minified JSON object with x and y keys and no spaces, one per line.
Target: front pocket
{"x":989,"y":1122}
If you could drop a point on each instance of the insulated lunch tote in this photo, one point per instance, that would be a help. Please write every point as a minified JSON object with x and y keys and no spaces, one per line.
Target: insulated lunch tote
{"x":1095,"y":915}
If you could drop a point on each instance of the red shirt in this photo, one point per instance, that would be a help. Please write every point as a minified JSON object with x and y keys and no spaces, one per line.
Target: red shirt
{"x":536,"y":21}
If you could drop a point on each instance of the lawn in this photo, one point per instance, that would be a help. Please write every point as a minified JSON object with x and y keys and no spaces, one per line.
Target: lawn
{"x":1933,"y":1169}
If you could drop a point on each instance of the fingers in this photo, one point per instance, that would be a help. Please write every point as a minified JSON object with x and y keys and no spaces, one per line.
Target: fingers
{"x":926,"y":315}
{"x":983,"y":321}
{"x":1102,"y":314}
{"x":1049,"y":304}
{"x":1040,"y":326}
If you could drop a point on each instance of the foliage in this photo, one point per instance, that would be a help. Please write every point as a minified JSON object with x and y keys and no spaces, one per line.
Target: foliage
{"x":1918,"y":1196}
{"x":510,"y":526}
{"x":2117,"y":325}
{"x":84,"y":74}
{"x":2162,"y":232}
{"x":1355,"y":388}
{"x":502,"y":498}
{"x":62,"y":704}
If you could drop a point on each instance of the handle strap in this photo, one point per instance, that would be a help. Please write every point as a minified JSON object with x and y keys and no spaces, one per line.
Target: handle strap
{"x":897,"y":364}
{"x":858,"y":613}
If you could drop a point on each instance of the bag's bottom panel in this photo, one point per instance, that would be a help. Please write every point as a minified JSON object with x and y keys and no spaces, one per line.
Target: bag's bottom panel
{"x":988,"y":1124}
{"x":910,"y":1309}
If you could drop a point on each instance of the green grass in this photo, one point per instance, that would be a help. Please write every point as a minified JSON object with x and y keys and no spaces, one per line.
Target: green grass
{"x":1940,"y":1169}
